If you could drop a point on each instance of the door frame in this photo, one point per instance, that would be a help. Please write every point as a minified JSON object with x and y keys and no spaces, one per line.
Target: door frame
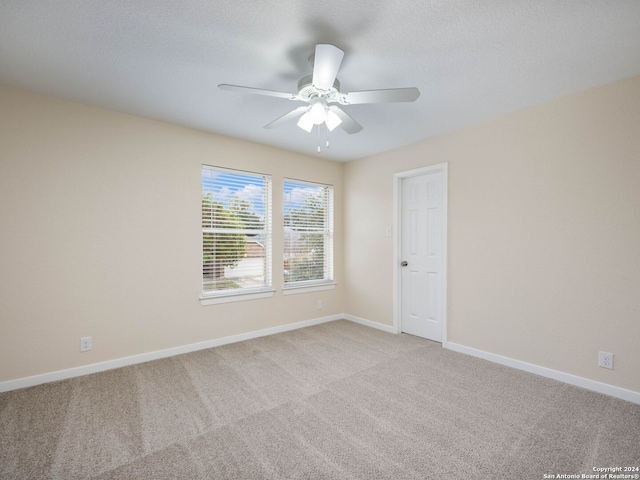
{"x":397,"y":240}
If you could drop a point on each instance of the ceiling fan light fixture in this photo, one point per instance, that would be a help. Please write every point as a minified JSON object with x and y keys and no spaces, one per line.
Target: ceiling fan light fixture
{"x":305,"y":122}
{"x":332,"y":120}
{"x":317,"y":112}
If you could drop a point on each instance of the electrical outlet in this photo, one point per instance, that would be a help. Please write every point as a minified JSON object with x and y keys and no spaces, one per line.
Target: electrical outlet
{"x":85,"y":344}
{"x":319,"y":305}
{"x":605,"y":360}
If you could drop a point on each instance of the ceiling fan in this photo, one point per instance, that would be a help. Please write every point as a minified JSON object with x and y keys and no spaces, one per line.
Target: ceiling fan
{"x":321,"y":91}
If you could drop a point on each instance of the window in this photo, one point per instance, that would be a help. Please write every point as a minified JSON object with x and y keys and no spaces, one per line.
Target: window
{"x":236,"y":232}
{"x":308,"y":233}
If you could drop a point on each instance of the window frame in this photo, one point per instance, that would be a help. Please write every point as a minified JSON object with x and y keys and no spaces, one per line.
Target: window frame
{"x":210,"y":297}
{"x":328,"y":231}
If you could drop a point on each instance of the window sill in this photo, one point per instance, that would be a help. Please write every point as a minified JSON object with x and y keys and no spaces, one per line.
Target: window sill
{"x":235,"y":296}
{"x":317,"y":287}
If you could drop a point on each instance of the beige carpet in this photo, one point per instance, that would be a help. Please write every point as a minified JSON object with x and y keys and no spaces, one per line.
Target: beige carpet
{"x":334,"y":401}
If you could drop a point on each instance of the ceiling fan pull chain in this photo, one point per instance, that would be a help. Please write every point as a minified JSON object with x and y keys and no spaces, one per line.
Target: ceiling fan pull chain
{"x":318,"y":138}
{"x":328,"y":132}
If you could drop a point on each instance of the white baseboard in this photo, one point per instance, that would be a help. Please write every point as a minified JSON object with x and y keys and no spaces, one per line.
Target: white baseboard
{"x":607,"y":389}
{"x":369,"y":323}
{"x":146,"y":357}
{"x":617,"y":392}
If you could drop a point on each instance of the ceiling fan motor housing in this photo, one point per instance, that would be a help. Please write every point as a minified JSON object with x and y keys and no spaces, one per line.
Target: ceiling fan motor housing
{"x":307,"y":91}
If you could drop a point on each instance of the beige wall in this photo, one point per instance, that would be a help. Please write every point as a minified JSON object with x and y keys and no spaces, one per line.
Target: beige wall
{"x":544,"y":233}
{"x":100,"y":235}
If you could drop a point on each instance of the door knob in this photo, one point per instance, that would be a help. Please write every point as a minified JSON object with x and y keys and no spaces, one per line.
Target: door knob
{"x":404,"y":263}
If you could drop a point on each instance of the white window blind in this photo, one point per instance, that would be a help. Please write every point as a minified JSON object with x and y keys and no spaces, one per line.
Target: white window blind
{"x":308,"y":233}
{"x":236,"y":231}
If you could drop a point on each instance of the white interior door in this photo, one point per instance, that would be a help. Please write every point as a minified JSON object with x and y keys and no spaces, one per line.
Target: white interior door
{"x":421,"y":254}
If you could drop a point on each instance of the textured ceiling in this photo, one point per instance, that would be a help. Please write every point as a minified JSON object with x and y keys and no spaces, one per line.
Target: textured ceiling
{"x":471,"y":60}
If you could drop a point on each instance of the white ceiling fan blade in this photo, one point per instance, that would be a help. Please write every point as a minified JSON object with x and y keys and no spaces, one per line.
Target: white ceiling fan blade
{"x":348,"y":124}
{"x":326,"y":65}
{"x":259,"y":91}
{"x":296,"y":112}
{"x":380,"y":96}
